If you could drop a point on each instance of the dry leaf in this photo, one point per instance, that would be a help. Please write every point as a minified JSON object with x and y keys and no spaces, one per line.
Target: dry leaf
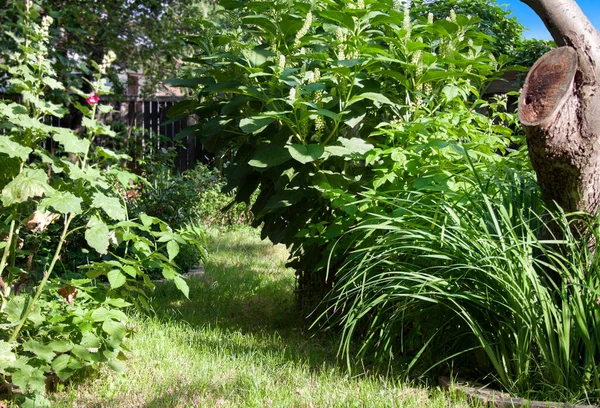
{"x":68,"y":293}
{"x":38,"y":222}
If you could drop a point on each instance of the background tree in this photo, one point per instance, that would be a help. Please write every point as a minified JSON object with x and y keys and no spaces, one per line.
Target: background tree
{"x":146,"y":35}
{"x":496,"y":22}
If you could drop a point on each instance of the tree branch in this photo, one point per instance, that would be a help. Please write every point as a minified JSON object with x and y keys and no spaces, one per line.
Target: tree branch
{"x":569,"y":26}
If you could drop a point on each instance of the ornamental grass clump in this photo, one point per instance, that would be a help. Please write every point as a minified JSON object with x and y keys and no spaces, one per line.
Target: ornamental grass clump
{"x":469,"y":282}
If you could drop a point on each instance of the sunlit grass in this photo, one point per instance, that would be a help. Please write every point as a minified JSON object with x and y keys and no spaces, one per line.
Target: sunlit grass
{"x":239,"y":342}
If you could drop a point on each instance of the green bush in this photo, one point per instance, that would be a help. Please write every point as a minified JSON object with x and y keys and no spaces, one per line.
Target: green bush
{"x":192,"y":196}
{"x":316,"y":102}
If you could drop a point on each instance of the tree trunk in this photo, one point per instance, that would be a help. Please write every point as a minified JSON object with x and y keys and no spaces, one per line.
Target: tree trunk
{"x":560,"y":109}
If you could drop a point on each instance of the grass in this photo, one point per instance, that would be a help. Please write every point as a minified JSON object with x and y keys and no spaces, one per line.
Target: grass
{"x":238,"y":342}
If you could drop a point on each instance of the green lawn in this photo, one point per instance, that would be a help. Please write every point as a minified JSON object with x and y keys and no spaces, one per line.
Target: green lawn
{"x":238,"y":343}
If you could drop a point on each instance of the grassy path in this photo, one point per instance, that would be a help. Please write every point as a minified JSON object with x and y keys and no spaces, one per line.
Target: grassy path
{"x":237,"y":343}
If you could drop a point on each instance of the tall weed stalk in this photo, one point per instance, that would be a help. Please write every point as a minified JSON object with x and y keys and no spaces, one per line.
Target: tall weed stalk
{"x":442,"y":280}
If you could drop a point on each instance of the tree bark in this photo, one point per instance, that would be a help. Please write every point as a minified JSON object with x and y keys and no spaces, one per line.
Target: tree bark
{"x":560,"y":109}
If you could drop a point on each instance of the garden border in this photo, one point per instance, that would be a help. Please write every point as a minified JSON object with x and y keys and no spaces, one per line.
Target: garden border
{"x":500,"y":399}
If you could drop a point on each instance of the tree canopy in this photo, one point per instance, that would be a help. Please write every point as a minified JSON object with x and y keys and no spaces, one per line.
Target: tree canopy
{"x":146,"y":35}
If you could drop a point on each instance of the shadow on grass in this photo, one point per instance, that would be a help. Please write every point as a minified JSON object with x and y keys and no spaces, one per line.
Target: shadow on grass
{"x":244,"y":307}
{"x":246,"y":289}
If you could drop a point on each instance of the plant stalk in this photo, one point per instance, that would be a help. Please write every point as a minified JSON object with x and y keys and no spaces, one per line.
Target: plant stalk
{"x":42,"y":284}
{"x":4,"y":261}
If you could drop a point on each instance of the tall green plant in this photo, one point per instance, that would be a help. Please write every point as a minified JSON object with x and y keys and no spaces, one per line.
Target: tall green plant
{"x":469,"y":282}
{"x":52,"y":328}
{"x":317,"y":101}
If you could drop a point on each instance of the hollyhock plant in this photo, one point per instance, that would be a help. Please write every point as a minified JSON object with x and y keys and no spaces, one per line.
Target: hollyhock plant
{"x":93,"y":99}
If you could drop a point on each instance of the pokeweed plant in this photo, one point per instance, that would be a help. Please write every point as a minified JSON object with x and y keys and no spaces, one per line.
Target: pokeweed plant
{"x":50,"y":328}
{"x":316,"y":101}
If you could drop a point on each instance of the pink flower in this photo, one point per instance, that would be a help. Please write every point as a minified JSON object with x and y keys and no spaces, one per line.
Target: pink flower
{"x":93,"y":99}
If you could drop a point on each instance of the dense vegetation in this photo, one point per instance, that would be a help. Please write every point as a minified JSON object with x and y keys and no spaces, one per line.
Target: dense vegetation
{"x":357,"y":133}
{"x":401,"y":189}
{"x":317,"y":105}
{"x":59,"y":317}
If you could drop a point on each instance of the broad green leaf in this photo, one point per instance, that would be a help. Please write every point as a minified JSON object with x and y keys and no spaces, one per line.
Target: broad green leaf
{"x":118,"y":315}
{"x":61,"y":346}
{"x":345,"y":19}
{"x":104,"y":109}
{"x":109,"y":154}
{"x":257,"y":56}
{"x":112,"y":206}
{"x":35,"y":316}
{"x":284,"y":198}
{"x":354,"y":118}
{"x":187,"y":132}
{"x":337,"y":151}
{"x":329,"y":114}
{"x":60,"y":365}
{"x":262,"y":21}
{"x":182,"y":108}
{"x":451,"y":92}
{"x":15,"y":308}
{"x":96,"y":234}
{"x":53,"y":83}
{"x":29,"y":183}
{"x":70,"y":141}
{"x":269,"y":156}
{"x":168,"y":272}
{"x":115,"y":329}
{"x":306,"y":154}
{"x":6,"y":355}
{"x":29,"y":378}
{"x":373,"y":96}
{"x":182,"y":285}
{"x":62,"y":202}
{"x":146,"y":219}
{"x":130,"y":270}
{"x":356,"y":145}
{"x":116,"y":278}
{"x":43,"y":351}
{"x":172,"y":249}
{"x":124,"y":177}
{"x":118,"y":302}
{"x":100,"y":314}
{"x":83,"y":352}
{"x":255,"y":124}
{"x":14,"y":149}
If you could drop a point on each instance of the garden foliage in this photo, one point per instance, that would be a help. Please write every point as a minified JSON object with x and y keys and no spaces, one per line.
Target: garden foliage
{"x":59,"y":190}
{"x":317,"y":101}
{"x":471,"y":281}
{"x":378,"y":161}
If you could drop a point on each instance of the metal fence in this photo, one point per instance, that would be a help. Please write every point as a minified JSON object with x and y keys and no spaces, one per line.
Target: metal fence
{"x":144,"y":123}
{"x":148,"y":118}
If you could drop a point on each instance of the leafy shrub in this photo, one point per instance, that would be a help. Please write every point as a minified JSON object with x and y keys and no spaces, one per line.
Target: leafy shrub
{"x":192,"y":196}
{"x":318,"y":101}
{"x":50,"y":327}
